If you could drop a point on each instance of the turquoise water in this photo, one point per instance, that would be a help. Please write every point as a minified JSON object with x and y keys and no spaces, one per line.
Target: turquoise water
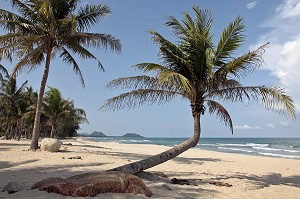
{"x":271,"y":147}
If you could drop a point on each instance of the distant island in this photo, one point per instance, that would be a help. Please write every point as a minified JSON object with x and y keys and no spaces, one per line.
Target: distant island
{"x":135,"y":135}
{"x":97,"y":134}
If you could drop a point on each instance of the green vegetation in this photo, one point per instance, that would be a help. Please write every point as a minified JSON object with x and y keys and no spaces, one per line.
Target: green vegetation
{"x":59,"y":116}
{"x":44,"y":28}
{"x":199,"y":71}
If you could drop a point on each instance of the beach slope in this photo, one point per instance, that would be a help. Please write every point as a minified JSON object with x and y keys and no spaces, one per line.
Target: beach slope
{"x":250,"y":176}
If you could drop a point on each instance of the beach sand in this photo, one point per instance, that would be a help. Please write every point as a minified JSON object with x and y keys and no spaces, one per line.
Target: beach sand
{"x":250,"y":176}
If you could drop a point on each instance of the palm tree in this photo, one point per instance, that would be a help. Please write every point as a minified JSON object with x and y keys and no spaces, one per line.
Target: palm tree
{"x":12,"y":106}
{"x":28,"y":116}
{"x":197,"y":70}
{"x":60,"y":112}
{"x":45,"y":28}
{"x":71,"y":123}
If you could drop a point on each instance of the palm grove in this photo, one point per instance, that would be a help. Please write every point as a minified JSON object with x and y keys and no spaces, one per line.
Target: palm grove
{"x":43,"y":29}
{"x":193,"y":68}
{"x":59,"y":117}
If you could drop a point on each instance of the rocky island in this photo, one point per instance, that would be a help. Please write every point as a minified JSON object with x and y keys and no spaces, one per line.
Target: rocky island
{"x":135,"y":135}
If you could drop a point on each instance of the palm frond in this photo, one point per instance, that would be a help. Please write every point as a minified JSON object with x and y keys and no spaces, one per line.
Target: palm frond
{"x":3,"y":73}
{"x":137,"y":82}
{"x":171,"y":55}
{"x":203,"y":20}
{"x":244,"y":64}
{"x":150,"y":67}
{"x":175,"y":25}
{"x":25,"y":10}
{"x":90,"y":14}
{"x":177,"y":82}
{"x":96,"y":40}
{"x":83,"y":53}
{"x":272,"y":98}
{"x":13,"y":23}
{"x":137,"y":98}
{"x":30,"y":61}
{"x":231,"y":38}
{"x":220,"y":111}
{"x":21,"y":88}
{"x":45,"y":10}
{"x":68,"y":58}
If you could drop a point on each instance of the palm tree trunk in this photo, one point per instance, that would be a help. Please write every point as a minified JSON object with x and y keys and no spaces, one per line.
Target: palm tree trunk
{"x":36,"y":127}
{"x":152,"y":161}
{"x":52,"y":132}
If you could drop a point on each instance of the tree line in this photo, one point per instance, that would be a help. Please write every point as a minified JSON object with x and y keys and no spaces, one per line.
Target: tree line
{"x":59,"y":116}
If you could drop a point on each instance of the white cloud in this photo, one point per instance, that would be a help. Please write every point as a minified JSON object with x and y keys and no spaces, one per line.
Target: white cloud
{"x":271,"y":125}
{"x":289,"y":9}
{"x":251,"y":5}
{"x":246,"y":127}
{"x":282,"y":57}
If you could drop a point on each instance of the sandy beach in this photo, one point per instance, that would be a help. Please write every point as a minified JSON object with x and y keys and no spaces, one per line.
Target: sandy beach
{"x":250,"y":176}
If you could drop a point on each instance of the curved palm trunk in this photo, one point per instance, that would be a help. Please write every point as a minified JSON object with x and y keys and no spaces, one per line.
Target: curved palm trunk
{"x":152,"y":161}
{"x":36,"y":127}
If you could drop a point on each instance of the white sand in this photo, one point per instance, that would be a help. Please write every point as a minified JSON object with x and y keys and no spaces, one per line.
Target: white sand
{"x":250,"y":176}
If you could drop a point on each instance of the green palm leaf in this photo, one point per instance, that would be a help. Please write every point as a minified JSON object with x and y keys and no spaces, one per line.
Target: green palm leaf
{"x":30,"y":61}
{"x":68,"y":58}
{"x":137,"y":82}
{"x":216,"y":108}
{"x":90,"y":15}
{"x":274,"y":99}
{"x":231,"y":38}
{"x":137,"y":98}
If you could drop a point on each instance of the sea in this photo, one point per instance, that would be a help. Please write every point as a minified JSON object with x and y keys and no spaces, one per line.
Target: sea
{"x":270,"y":147}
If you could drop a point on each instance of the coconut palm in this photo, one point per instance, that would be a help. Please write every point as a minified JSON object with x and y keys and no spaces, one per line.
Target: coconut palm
{"x":196,"y":70}
{"x":45,"y":28}
{"x":28,"y":116}
{"x":12,"y":106}
{"x":60,"y":112}
{"x":76,"y":116}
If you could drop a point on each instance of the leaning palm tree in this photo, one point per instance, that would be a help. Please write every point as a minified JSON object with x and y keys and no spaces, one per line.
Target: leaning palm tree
{"x":45,"y":28}
{"x":199,"y":71}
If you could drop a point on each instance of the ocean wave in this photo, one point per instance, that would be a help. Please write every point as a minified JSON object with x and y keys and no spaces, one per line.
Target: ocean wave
{"x":134,"y":141}
{"x":244,"y":145}
{"x":280,"y":155}
{"x":235,"y":149}
{"x":292,"y":151}
{"x":266,"y":149}
{"x":206,"y":144}
{"x":295,"y":147}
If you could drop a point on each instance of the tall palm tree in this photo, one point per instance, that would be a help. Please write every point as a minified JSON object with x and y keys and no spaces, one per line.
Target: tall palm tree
{"x":45,"y":28}
{"x":199,"y":71}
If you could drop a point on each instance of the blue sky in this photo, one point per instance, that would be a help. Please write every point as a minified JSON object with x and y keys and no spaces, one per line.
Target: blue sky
{"x":276,"y":21}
